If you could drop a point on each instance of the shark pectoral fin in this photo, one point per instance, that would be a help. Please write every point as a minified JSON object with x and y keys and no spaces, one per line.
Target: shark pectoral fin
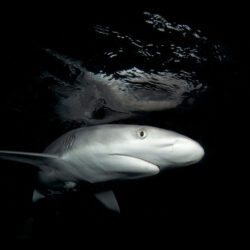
{"x":107,"y":198}
{"x":37,"y":196}
{"x":34,"y":159}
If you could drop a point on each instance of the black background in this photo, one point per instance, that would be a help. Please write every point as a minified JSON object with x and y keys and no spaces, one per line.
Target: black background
{"x":203,"y":202}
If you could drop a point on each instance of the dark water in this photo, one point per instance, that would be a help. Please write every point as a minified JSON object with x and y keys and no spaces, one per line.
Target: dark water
{"x":184,"y":72}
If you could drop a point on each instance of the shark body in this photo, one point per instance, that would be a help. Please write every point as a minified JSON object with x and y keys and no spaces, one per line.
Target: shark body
{"x":104,"y":153}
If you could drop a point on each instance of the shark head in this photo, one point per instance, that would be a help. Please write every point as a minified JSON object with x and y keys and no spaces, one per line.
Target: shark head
{"x":133,"y":151}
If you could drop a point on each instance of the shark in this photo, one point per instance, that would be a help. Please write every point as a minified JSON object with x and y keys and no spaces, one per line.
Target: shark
{"x":104,"y":153}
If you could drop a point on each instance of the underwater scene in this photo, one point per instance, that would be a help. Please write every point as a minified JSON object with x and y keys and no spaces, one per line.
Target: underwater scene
{"x":98,"y":75}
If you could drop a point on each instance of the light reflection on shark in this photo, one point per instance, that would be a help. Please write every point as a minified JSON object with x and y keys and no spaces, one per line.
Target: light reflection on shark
{"x":104,"y":153}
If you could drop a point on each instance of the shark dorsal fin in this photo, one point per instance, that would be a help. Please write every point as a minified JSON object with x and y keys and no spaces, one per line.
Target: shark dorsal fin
{"x":34,"y":159}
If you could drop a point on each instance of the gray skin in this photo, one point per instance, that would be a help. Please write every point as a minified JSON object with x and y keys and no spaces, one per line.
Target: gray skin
{"x":105,"y":153}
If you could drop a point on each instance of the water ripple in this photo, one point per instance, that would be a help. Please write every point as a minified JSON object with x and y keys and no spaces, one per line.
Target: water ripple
{"x":101,"y":97}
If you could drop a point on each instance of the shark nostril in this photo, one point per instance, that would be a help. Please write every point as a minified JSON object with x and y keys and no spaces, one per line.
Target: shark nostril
{"x":169,"y":144}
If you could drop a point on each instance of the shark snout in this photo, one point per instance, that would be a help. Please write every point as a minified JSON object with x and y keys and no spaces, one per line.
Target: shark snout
{"x":186,"y":151}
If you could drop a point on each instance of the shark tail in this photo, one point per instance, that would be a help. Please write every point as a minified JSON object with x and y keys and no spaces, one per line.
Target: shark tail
{"x":35,"y":159}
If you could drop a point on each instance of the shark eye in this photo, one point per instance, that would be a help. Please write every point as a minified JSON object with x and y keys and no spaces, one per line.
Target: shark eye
{"x":141,"y":133}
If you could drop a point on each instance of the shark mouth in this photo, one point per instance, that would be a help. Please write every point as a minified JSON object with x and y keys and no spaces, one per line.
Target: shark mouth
{"x":138,"y":158}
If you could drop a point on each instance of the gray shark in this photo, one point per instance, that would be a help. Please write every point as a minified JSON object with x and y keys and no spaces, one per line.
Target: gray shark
{"x":104,"y":153}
